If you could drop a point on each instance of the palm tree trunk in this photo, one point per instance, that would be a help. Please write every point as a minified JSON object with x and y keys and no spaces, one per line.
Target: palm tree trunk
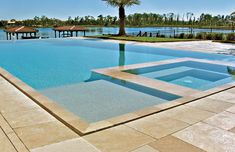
{"x":122,"y":17}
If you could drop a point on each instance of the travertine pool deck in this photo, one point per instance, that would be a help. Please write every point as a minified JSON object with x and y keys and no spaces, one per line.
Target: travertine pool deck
{"x":196,"y":46}
{"x":207,"y":124}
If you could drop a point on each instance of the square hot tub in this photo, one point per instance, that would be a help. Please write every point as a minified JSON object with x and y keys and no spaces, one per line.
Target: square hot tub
{"x":192,"y":74}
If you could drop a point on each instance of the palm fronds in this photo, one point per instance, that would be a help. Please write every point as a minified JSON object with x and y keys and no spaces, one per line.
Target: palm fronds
{"x":118,"y":3}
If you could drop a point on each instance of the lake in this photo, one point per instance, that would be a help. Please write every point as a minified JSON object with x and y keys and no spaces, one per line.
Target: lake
{"x":48,"y":32}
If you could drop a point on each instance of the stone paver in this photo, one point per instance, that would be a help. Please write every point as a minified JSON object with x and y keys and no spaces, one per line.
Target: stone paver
{"x":118,"y":139}
{"x":208,"y":138}
{"x":224,"y":120}
{"x":232,"y":130}
{"x":157,"y":126}
{"x":211,"y":105}
{"x":170,"y":143}
{"x":5,"y":144}
{"x":225,"y":96}
{"x":198,"y":46}
{"x":188,"y":114}
{"x":20,"y":147}
{"x":145,"y":148}
{"x":231,"y":90}
{"x":73,"y":145}
{"x":5,"y":126}
{"x":44,"y":134}
{"x":232,"y":109}
{"x":23,"y":104}
{"x":27,"y":118}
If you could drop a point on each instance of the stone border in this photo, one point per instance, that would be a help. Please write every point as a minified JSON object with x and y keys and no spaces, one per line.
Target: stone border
{"x":82,"y":127}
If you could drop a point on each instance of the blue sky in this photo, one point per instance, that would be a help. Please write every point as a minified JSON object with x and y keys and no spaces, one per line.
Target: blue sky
{"x":22,"y":9}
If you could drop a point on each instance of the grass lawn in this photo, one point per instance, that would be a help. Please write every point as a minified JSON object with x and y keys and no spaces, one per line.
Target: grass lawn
{"x":142,"y":39}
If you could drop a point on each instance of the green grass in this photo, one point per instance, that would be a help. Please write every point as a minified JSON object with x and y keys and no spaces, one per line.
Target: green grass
{"x":142,"y":39}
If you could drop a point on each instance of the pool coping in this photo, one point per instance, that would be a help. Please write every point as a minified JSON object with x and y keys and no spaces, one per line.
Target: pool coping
{"x":83,"y":128}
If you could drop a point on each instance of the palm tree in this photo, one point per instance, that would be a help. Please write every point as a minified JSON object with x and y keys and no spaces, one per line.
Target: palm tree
{"x":121,"y":4}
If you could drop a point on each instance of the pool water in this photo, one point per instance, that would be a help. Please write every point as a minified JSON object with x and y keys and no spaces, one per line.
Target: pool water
{"x":191,"y":82}
{"x":118,"y":98}
{"x":61,"y":70}
{"x":195,"y":75}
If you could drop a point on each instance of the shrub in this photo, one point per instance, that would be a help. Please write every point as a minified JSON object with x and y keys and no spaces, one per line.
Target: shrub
{"x":217,"y":36}
{"x":200,"y":36}
{"x":189,"y":36}
{"x":209,"y":36}
{"x":181,"y":35}
{"x":231,"y":37}
{"x":162,"y":36}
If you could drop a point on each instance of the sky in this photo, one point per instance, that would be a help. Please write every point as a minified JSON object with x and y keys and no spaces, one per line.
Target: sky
{"x":24,"y":9}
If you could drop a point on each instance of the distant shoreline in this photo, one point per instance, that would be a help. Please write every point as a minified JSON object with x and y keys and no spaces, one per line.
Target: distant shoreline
{"x":146,"y":26}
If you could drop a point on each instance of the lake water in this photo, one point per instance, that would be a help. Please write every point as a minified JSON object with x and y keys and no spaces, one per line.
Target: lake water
{"x":48,"y":32}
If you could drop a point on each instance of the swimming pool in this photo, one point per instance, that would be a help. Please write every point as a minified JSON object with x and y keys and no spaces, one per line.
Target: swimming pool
{"x":45,"y":64}
{"x":61,"y":69}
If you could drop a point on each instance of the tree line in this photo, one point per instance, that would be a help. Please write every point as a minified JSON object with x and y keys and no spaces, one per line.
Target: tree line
{"x":137,"y":19}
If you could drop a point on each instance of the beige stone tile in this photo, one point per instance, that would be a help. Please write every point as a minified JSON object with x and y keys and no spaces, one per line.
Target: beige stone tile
{"x":188,"y":114}
{"x":231,"y":90}
{"x":79,"y":124}
{"x":73,"y":145}
{"x":224,"y":96}
{"x":44,"y":134}
{"x":12,"y":94}
{"x":118,"y":139}
{"x":5,"y":86}
{"x":5,"y":126}
{"x":232,"y":109}
{"x":98,"y":125}
{"x":145,"y":148}
{"x":157,"y":126}
{"x":20,"y":147}
{"x":146,"y":111}
{"x":211,"y":105}
{"x":60,"y":111}
{"x":224,"y":120}
{"x":232,"y":130}
{"x":168,"y":105}
{"x":208,"y":138}
{"x":17,"y":105}
{"x":27,"y":118}
{"x":171,"y":143}
{"x":5,"y":144}
{"x":8,"y":90}
{"x":122,"y":118}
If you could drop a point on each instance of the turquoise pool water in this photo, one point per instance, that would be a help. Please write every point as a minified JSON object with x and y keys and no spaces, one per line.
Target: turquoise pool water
{"x":61,"y":70}
{"x":195,"y":75}
{"x":52,"y":63}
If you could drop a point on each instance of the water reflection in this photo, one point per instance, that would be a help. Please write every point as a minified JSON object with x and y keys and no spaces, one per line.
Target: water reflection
{"x":122,"y":48}
{"x":231,"y":71}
